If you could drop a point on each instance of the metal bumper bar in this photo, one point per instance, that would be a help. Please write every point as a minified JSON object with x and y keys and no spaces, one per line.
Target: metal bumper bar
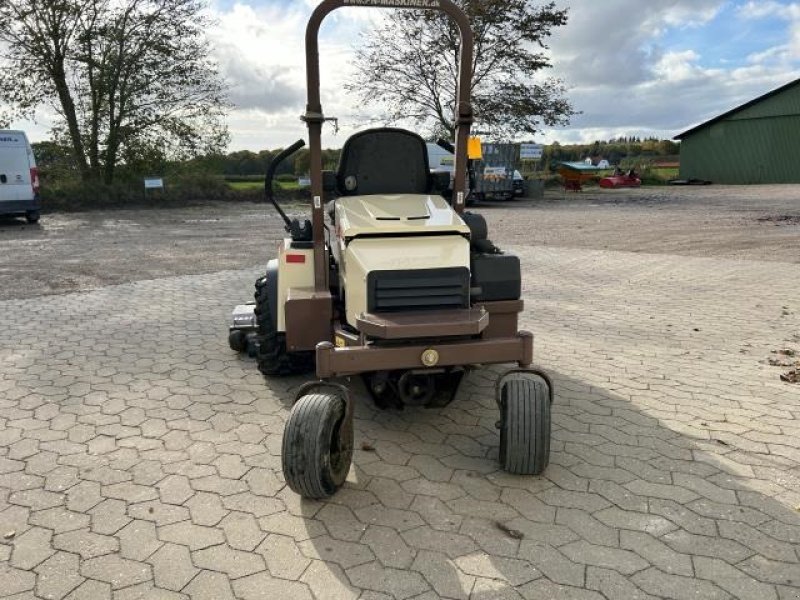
{"x":338,"y":362}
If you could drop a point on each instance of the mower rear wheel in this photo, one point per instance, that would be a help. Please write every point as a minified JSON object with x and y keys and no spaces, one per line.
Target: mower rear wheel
{"x":272,"y":357}
{"x":525,"y":426}
{"x":317,"y":446}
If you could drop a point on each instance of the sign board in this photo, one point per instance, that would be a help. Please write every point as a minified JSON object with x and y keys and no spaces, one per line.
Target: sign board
{"x":304,"y":182}
{"x":153,"y":183}
{"x":531,"y":151}
{"x":474,"y":148}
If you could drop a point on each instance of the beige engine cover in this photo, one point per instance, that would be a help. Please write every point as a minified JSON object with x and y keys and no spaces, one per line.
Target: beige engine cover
{"x":412,"y":231}
{"x":364,"y":255}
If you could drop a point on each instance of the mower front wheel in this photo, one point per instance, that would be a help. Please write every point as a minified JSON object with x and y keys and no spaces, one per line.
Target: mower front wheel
{"x":317,"y":446}
{"x":525,"y":426}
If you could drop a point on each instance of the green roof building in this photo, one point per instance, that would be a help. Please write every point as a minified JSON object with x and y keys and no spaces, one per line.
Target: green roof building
{"x":758,"y":142}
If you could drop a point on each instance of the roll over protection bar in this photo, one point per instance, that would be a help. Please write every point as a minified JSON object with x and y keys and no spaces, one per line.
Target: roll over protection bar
{"x":314,"y":117}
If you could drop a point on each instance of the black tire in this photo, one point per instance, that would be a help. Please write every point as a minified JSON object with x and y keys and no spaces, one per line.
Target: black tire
{"x":237,"y":340}
{"x":525,"y":426}
{"x":315,"y":456}
{"x":272,"y":357}
{"x":32,"y":216}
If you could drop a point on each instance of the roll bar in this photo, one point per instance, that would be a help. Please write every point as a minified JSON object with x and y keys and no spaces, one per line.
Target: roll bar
{"x":314,"y":117}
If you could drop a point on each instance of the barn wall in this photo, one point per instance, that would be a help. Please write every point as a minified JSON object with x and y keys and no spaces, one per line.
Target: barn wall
{"x":760,"y":144}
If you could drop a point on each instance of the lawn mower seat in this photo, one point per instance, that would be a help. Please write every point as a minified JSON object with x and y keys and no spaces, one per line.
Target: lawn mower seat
{"x":384,"y":161}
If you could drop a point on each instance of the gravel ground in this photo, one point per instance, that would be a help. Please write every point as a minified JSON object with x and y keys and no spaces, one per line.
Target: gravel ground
{"x":718,"y":221}
{"x":80,"y":251}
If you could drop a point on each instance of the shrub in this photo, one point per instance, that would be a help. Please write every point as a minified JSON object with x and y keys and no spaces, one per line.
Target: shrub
{"x":77,"y":195}
{"x":286,"y":178}
{"x":651,"y":176}
{"x":553,"y":181}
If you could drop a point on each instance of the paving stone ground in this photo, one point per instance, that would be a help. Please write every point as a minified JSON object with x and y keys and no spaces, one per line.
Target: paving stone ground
{"x":140,"y":458}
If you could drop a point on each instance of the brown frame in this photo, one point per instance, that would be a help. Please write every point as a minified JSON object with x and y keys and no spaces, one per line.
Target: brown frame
{"x":353,"y":360}
{"x":314,"y":117}
{"x":427,"y":324}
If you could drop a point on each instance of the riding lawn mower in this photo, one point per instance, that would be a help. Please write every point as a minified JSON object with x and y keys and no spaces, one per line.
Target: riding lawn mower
{"x":392,"y":280}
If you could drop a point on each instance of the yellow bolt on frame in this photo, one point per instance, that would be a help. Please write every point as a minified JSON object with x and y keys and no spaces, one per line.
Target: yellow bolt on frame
{"x":475,"y":149}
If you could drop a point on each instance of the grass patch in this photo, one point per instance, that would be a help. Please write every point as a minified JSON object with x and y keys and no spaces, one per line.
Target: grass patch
{"x":245,"y":185}
{"x":287,"y":186}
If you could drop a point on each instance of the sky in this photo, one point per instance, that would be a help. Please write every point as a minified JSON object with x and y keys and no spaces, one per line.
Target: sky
{"x":631,"y":67}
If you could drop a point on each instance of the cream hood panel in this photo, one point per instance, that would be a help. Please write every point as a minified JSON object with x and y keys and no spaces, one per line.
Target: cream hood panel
{"x":404,"y":213}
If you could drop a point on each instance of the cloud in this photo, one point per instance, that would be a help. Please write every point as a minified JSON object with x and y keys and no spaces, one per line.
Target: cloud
{"x":603,"y":49}
{"x":261,"y":53}
{"x":761,"y":9}
{"x":614,"y":41}
{"x":631,"y":70}
{"x":629,"y":76}
{"x":256,"y":52}
{"x":254,"y":86}
{"x":789,"y":13}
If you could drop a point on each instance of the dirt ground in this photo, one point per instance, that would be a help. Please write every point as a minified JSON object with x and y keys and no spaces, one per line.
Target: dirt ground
{"x":80,"y":251}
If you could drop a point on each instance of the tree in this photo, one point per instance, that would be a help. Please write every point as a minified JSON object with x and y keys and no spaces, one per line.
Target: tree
{"x":128,"y":79}
{"x":410,"y":63}
{"x":55,"y":161}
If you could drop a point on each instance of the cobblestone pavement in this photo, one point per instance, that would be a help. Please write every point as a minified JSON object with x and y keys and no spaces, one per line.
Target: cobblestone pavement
{"x":139,"y":458}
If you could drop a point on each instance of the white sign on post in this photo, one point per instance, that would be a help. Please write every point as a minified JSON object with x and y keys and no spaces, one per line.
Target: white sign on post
{"x":531,"y":151}
{"x":153,"y":183}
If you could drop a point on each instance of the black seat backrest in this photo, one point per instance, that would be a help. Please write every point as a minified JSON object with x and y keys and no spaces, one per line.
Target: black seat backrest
{"x":384,"y":161}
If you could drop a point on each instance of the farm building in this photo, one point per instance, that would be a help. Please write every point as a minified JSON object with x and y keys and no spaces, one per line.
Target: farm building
{"x":758,"y":142}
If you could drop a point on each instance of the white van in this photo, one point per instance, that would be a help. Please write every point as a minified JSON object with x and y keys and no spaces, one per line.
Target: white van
{"x":19,"y":178}
{"x":440,"y":159}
